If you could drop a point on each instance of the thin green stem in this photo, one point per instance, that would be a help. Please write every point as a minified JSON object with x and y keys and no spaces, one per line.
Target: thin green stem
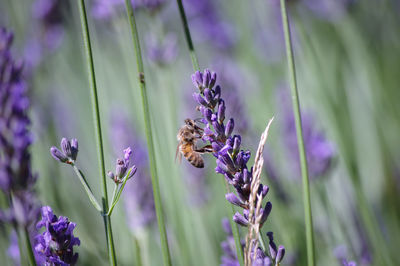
{"x":85,"y":185}
{"x":300,"y":142}
{"x":234,"y":226}
{"x":195,"y":61}
{"x":149,"y":135}
{"x":138,"y":251}
{"x":97,"y":125}
{"x":31,"y":256}
{"x":261,"y":241}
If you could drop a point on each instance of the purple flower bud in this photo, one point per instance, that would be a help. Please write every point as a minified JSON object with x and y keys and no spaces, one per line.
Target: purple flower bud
{"x":66,"y":147}
{"x":281,"y":254}
{"x":217,"y":92}
{"x":110,"y":175}
{"x":74,"y":149}
{"x":237,"y":140}
{"x":58,"y":155}
{"x":263,"y":190}
{"x":272,"y":246}
{"x":266,"y":211}
{"x":120,"y":169}
{"x":221,"y":111}
{"x":206,"y":78}
{"x":231,"y":197}
{"x":132,"y":171}
{"x":240,"y":220}
{"x":207,"y":95}
{"x":199,"y":99}
{"x":127,"y":154}
{"x":221,"y":168}
{"x":197,"y":79}
{"x":216,"y":146}
{"x":207,"y":113}
{"x":220,"y":130}
{"x":229,"y":127}
{"x":213,"y":80}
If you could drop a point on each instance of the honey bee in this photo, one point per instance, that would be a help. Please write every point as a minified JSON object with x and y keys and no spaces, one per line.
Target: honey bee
{"x":187,"y":136}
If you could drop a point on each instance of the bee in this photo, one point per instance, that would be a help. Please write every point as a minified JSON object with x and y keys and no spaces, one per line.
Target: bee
{"x":187,"y":136}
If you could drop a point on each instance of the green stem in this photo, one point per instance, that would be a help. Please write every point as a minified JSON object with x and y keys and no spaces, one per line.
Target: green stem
{"x":137,"y":251}
{"x":300,"y":142}
{"x":149,"y":135}
{"x":85,"y":185}
{"x":195,"y":61}
{"x":261,"y":241}
{"x":31,"y":256}
{"x":97,"y":125}
{"x":234,"y":226}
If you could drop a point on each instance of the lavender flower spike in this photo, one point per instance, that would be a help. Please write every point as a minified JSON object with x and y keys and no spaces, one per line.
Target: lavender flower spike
{"x":16,"y":177}
{"x":55,"y":246}
{"x":231,"y":160}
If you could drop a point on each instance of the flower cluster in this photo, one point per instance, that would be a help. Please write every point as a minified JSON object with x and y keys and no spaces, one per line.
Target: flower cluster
{"x":121,"y":168}
{"x":68,"y":153}
{"x":231,"y":160}
{"x":55,"y":246}
{"x":16,"y":176}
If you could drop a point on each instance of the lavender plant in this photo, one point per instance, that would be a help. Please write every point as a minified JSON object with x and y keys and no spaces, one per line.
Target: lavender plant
{"x":55,"y":246}
{"x":16,"y":177}
{"x":230,"y":158}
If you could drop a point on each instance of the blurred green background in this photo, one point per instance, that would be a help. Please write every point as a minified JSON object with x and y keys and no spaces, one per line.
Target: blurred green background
{"x":347,"y":62}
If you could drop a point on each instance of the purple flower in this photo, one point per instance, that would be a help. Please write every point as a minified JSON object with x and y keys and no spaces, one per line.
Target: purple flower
{"x":138,"y":195}
{"x":319,"y":151}
{"x":121,"y":168}
{"x":56,"y":244}
{"x":341,"y":254}
{"x":231,"y":159}
{"x":162,"y":51}
{"x":229,"y":256}
{"x":68,"y":152}
{"x":16,"y":176}
{"x":50,"y":33}
{"x":104,"y":9}
{"x":205,"y":18}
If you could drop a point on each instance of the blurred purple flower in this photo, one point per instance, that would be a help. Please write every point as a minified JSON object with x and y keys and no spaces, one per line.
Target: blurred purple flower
{"x":162,"y":51}
{"x":104,"y":9}
{"x":138,"y":195}
{"x":13,"y":249}
{"x":327,"y":9}
{"x":56,"y":244}
{"x":16,"y":176}
{"x":341,"y":254}
{"x":319,"y":151}
{"x":205,"y":18}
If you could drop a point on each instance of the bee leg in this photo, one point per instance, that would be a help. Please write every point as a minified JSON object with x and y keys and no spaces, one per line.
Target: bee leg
{"x":205,"y":149}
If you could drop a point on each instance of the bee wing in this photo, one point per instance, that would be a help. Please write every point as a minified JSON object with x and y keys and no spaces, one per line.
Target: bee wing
{"x":178,"y":153}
